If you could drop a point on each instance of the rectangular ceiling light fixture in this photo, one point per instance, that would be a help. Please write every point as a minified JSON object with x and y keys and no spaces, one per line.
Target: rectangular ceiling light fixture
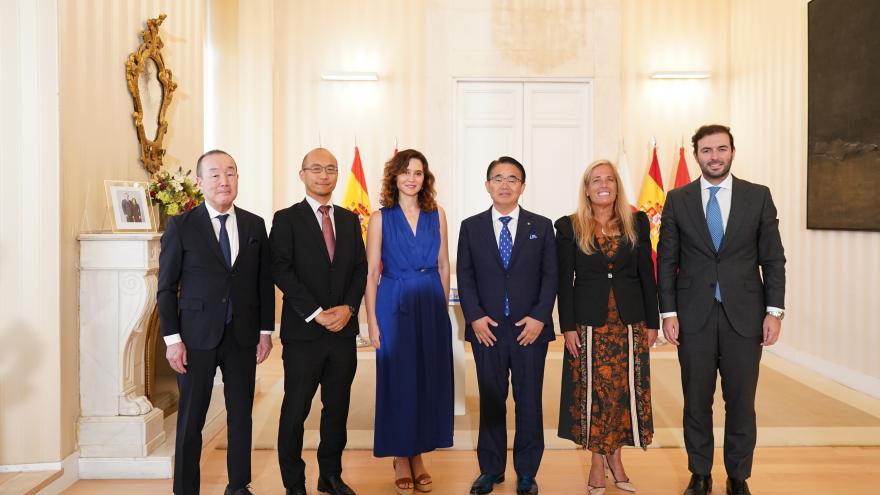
{"x":350,"y":76}
{"x":672,"y":74}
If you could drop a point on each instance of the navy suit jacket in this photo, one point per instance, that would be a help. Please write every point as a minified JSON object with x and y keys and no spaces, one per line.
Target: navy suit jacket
{"x":530,"y":281}
{"x":191,"y":264}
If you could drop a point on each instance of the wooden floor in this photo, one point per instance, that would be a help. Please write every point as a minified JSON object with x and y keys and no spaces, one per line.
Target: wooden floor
{"x":782,"y":470}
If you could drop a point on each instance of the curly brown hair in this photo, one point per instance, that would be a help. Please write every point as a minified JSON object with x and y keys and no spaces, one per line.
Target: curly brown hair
{"x":396,"y":166}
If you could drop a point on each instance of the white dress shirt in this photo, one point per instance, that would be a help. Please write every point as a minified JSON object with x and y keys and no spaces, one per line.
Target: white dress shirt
{"x":511,"y":226}
{"x":232,"y":231}
{"x":314,"y":204}
{"x":723,"y":196}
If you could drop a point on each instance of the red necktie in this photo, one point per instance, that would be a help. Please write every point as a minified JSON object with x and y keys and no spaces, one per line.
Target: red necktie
{"x":327,"y":230}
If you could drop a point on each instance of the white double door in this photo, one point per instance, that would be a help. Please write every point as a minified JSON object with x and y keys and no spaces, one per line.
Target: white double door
{"x":547,"y":126}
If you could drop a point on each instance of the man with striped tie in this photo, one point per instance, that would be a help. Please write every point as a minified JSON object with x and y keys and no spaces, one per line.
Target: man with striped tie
{"x":721,"y":276}
{"x":216,"y":309}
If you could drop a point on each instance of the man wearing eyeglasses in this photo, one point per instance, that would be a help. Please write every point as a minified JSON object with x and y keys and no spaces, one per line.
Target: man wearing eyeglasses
{"x":507,"y":276}
{"x":320,"y":265}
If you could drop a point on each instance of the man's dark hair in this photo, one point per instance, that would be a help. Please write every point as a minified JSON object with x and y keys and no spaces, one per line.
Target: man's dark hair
{"x":209,"y":153}
{"x":509,"y":160}
{"x":708,"y":130}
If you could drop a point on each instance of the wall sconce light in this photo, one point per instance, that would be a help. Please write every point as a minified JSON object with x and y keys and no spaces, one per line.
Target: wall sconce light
{"x":671,"y":74}
{"x":350,"y":76}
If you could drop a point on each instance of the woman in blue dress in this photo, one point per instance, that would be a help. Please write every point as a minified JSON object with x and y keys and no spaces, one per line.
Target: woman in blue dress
{"x":406,"y":296}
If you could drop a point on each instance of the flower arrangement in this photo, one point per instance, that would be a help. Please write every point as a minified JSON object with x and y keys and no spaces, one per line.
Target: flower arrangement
{"x":175,"y":193}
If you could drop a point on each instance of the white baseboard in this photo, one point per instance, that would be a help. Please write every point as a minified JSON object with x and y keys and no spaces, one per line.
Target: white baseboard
{"x":27,"y":468}
{"x":853,"y":379}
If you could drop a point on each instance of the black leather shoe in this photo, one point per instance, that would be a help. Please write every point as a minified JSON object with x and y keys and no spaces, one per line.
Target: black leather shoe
{"x":334,"y":486}
{"x":699,"y":485}
{"x":299,"y":489}
{"x":526,"y":485}
{"x":237,"y":491}
{"x":485,"y":483}
{"x":737,"y":487}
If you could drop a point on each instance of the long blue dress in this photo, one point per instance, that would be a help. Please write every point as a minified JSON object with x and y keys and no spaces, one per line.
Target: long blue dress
{"x":414,"y":382}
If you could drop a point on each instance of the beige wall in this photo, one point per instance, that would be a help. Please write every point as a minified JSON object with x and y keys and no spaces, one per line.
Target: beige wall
{"x":91,"y":104}
{"x":671,"y":35}
{"x":831,"y":322}
{"x":386,"y":36}
{"x":30,"y":350}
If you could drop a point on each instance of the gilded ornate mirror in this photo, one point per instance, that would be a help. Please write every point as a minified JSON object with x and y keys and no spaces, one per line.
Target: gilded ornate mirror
{"x":151,"y":88}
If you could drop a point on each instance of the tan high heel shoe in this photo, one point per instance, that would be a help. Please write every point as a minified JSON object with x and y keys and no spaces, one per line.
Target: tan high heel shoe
{"x":624,"y":485}
{"x":404,"y":485}
{"x":423,"y":482}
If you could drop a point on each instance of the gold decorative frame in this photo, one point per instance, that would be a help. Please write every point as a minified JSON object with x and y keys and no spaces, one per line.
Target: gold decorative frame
{"x":151,"y":150}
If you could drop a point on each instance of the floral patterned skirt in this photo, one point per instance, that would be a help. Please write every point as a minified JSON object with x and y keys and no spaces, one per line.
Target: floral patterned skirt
{"x":606,"y":391}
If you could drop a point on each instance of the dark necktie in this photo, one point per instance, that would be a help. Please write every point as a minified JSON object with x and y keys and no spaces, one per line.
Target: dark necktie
{"x":226,"y":249}
{"x":327,"y":230}
{"x":505,"y":248}
{"x":716,"y":227}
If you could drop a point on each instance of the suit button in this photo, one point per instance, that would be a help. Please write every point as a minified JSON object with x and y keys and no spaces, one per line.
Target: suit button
{"x":610,"y":276}
{"x":422,"y":270}
{"x":223,"y":300}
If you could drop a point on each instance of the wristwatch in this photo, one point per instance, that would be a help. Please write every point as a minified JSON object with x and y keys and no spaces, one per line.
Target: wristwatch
{"x":353,"y":311}
{"x":777,"y":314}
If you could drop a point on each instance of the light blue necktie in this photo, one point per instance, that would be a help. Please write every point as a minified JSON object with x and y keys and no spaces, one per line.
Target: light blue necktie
{"x":716,"y":227}
{"x":505,"y":248}
{"x":226,"y":249}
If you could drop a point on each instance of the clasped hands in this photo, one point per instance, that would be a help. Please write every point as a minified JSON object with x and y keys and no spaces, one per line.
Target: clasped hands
{"x":335,"y":318}
{"x":530,"y":332}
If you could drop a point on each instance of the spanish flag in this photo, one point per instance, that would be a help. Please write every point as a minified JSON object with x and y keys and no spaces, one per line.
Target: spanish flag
{"x":651,"y":202}
{"x":356,"y":198}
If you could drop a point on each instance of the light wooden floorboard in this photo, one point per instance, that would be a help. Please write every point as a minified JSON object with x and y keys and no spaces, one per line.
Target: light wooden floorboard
{"x":783,"y":470}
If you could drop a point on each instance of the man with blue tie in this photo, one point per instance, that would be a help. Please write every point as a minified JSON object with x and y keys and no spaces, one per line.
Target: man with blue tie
{"x":216,"y":308}
{"x":507,"y":278}
{"x":717,"y":306}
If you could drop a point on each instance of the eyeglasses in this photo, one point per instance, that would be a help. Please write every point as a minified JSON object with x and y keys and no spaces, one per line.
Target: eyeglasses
{"x":510,"y":179}
{"x":317,"y":169}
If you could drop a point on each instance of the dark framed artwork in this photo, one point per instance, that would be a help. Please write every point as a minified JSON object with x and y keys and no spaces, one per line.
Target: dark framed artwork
{"x":843,"y":167}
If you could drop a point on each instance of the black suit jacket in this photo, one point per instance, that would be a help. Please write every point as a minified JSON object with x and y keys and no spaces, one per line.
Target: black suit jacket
{"x":302,"y":269}
{"x":191,"y":262}
{"x":585,"y":281}
{"x":530,"y":280}
{"x":688,"y":266}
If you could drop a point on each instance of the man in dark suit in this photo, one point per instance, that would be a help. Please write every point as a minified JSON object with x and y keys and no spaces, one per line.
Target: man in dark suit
{"x":507,"y":277}
{"x":717,"y":307}
{"x":216,"y":308}
{"x":320,"y":265}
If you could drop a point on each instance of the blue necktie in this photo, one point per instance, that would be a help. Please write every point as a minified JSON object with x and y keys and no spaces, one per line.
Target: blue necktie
{"x":716,"y":227}
{"x":226,"y":249}
{"x":505,"y":248}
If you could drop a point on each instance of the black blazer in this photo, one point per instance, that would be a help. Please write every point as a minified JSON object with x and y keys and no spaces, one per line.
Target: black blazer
{"x":585,"y":281}
{"x":302,"y":270}
{"x":530,"y":280}
{"x":191,"y":261}
{"x":688,"y":266}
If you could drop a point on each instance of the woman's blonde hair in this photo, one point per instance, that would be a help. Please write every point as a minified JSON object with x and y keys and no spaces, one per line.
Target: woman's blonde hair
{"x":584,"y":223}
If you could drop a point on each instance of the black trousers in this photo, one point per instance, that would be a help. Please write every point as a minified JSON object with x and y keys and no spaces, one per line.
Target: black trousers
{"x":330,"y":362}
{"x":703,"y":354}
{"x":498,"y":367}
{"x":238,"y":365}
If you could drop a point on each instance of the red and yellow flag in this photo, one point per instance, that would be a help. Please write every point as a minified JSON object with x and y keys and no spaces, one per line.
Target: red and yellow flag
{"x":682,"y":177}
{"x":651,"y":201}
{"x":356,"y":197}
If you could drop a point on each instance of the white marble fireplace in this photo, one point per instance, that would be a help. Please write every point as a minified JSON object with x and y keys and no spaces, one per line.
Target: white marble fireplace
{"x":121,"y":434}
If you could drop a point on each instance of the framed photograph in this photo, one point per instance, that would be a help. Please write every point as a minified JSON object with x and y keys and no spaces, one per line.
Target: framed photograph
{"x":128,"y":206}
